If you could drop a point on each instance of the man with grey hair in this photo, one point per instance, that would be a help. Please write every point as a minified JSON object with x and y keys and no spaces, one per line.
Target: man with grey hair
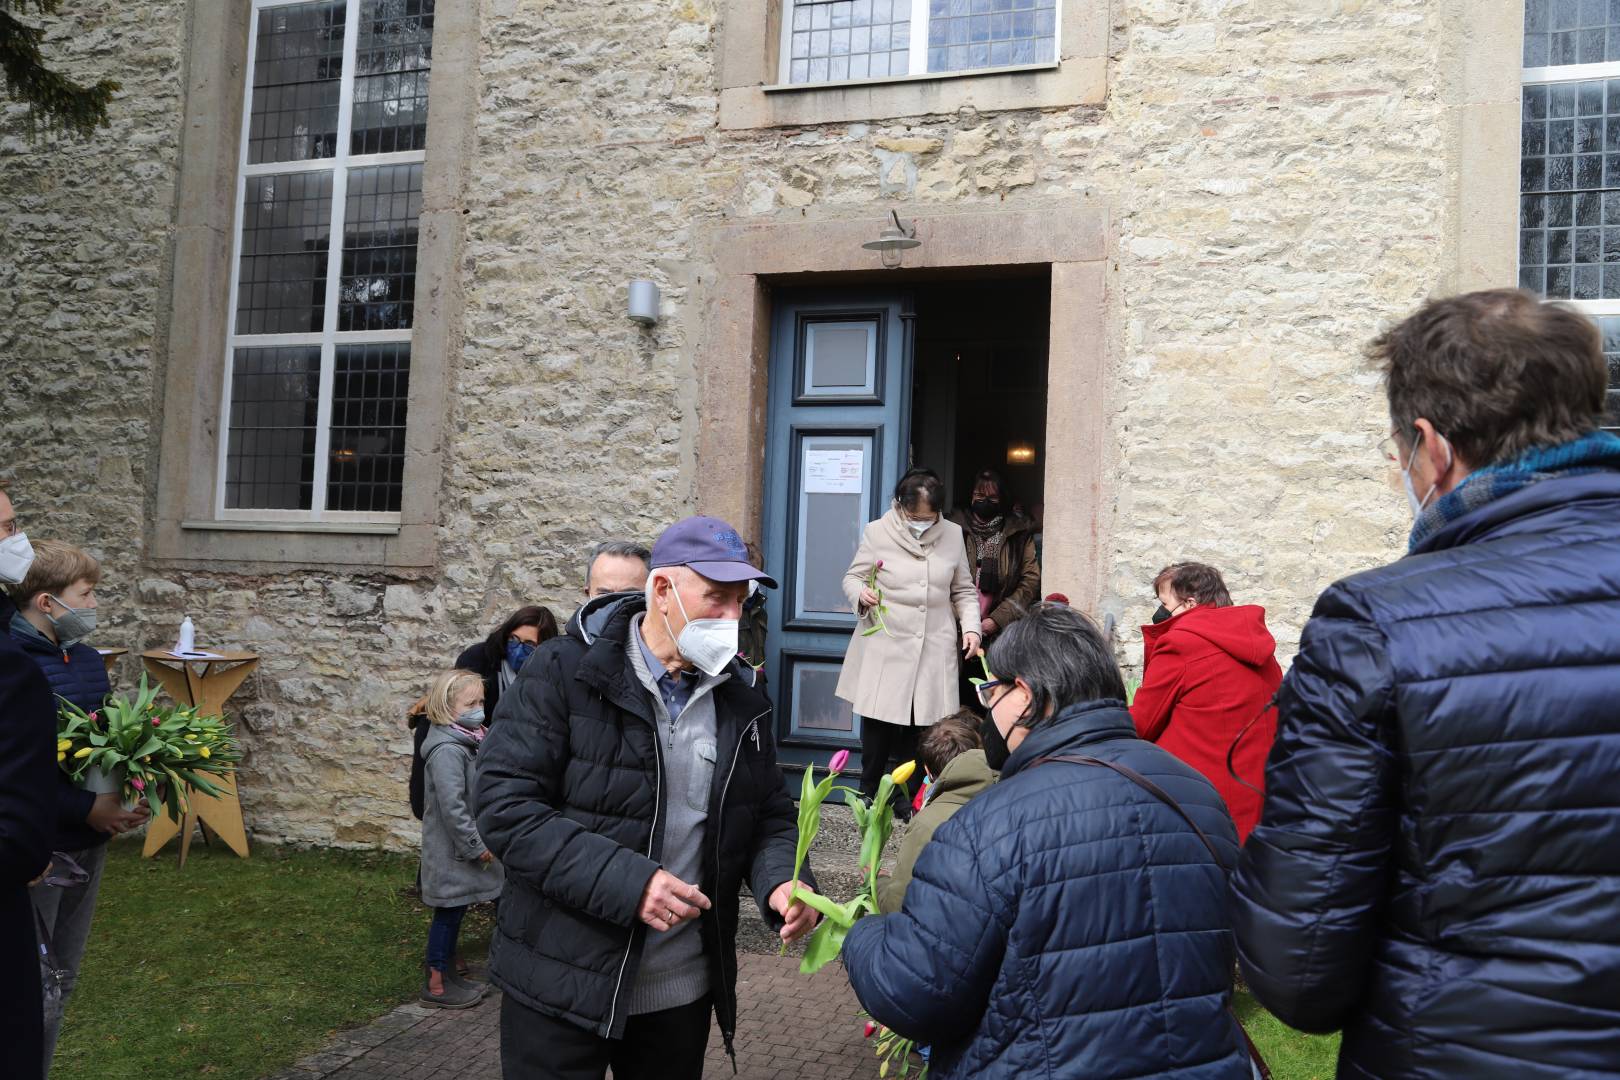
{"x":630,"y":787}
{"x":616,"y":566}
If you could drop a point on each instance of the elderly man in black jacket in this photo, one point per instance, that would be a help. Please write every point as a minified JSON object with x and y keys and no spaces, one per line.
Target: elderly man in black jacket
{"x":629,"y":786}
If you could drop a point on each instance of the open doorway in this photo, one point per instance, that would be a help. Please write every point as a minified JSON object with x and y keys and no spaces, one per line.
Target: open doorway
{"x":979,"y":385}
{"x":865,"y":381}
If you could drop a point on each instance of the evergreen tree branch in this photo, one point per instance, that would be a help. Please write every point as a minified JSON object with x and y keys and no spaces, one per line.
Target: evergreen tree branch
{"x":54,"y":101}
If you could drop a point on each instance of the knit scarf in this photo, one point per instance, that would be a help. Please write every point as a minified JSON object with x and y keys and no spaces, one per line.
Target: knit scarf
{"x":1597,"y":452}
{"x":987,"y":537}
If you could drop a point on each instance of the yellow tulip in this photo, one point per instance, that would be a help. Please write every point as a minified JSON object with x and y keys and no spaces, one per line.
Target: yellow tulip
{"x":204,"y":752}
{"x":191,"y":738}
{"x":61,"y":755}
{"x":903,"y":773}
{"x":63,"y":744}
{"x":84,"y":753}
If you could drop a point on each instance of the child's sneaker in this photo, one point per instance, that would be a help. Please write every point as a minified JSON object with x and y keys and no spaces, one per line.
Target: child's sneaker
{"x":456,"y":995}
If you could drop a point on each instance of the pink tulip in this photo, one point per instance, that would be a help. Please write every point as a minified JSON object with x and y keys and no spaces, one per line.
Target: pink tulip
{"x":156,"y":722}
{"x":839,"y":760}
{"x":879,"y":565}
{"x":137,"y":783}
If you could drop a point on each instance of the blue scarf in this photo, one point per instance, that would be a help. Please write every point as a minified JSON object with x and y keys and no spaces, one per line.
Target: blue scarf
{"x":1597,"y":452}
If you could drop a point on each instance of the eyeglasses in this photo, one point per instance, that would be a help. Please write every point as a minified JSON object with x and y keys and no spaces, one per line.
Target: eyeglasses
{"x":983,"y":690}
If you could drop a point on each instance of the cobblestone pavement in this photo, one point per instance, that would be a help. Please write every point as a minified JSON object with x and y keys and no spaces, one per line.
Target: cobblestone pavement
{"x":790,"y":1026}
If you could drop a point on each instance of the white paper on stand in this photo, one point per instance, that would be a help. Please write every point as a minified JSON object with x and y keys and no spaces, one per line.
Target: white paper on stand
{"x":833,"y":472}
{"x":178,"y":655}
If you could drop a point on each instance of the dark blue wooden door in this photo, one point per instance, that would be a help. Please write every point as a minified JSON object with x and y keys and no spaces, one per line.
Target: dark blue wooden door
{"x":837,"y":441}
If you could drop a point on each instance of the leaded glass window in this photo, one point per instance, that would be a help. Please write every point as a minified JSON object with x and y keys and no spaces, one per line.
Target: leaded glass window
{"x":1569,"y":163}
{"x":324,"y":284}
{"x":843,"y":40}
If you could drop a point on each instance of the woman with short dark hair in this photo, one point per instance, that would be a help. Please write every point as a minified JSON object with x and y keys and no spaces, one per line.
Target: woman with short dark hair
{"x":1209,"y":672}
{"x":901,"y":668}
{"x":1068,"y":921}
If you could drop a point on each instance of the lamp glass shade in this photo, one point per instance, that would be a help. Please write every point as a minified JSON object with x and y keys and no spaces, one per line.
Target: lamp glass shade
{"x":1020,"y":453}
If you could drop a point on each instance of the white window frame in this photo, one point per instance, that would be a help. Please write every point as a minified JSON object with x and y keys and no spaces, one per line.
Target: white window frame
{"x":917,"y":55}
{"x":330,"y":337}
{"x":1546,"y":76}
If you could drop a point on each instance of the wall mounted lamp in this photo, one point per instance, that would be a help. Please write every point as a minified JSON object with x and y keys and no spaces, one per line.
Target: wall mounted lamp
{"x":643,"y":302}
{"x":894,"y":239}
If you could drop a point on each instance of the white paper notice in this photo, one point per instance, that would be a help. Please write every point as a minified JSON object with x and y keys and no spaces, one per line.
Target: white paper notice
{"x":833,"y":472}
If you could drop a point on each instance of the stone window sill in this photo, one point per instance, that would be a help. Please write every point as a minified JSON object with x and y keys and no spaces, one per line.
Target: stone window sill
{"x":1079,"y":80}
{"x":356,"y":528}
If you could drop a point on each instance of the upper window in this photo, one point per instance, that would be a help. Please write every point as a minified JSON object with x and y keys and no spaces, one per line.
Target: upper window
{"x":844,"y":40}
{"x":1569,"y":163}
{"x":319,"y":354}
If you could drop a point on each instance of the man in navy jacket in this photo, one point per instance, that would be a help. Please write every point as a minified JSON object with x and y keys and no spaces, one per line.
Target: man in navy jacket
{"x":1437,"y":867}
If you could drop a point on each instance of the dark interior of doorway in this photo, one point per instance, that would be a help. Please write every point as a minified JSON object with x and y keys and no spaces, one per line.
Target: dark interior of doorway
{"x":979,"y":384}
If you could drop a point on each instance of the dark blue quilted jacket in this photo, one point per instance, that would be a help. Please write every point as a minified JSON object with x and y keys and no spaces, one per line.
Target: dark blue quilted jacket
{"x":80,"y":676}
{"x":1065,"y":923}
{"x":1437,"y":869}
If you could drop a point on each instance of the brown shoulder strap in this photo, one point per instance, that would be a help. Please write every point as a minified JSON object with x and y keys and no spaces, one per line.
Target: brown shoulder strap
{"x":1146,"y":785}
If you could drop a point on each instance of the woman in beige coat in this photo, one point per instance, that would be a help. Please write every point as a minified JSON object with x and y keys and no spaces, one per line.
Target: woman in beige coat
{"x":903,"y":678}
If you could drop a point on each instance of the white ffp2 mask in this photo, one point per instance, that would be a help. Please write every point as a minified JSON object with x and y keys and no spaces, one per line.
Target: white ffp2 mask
{"x":16,"y":556}
{"x":710,"y":644}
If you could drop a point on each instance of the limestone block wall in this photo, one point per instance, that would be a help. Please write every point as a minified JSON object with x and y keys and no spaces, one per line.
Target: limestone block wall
{"x":1280,"y":175}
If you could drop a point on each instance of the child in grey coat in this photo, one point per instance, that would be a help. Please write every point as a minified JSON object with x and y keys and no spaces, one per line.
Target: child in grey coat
{"x":457,"y":869}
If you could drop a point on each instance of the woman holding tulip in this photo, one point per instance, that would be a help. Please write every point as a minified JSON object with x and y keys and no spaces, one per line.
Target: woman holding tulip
{"x":918,"y":617}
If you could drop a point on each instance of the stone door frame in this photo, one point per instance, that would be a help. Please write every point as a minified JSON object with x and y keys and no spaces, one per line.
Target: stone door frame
{"x":732,"y":353}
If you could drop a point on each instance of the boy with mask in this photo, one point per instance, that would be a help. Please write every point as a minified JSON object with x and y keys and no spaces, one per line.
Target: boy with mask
{"x":629,"y":785}
{"x":56,"y":611}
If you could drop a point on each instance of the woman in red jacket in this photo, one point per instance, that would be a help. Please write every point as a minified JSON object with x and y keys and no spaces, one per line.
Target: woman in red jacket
{"x":1208,"y":670}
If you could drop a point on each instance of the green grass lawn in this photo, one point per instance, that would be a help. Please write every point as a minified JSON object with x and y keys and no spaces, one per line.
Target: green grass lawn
{"x":234,"y":969}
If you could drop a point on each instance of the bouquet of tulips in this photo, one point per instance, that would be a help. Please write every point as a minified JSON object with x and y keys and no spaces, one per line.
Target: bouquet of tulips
{"x":891,"y":1048}
{"x":157,"y":750}
{"x":875,"y":822}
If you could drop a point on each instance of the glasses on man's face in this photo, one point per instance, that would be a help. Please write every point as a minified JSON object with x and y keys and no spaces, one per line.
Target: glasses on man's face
{"x":984,"y":691}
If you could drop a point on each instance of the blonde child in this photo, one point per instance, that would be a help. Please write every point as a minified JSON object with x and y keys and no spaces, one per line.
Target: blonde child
{"x":457,"y":869}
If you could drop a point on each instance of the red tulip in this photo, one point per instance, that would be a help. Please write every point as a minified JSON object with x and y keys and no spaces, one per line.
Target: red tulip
{"x":871,"y":1029}
{"x":839,"y":760}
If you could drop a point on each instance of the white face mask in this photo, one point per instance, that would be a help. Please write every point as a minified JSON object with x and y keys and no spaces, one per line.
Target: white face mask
{"x":919,"y":527}
{"x":710,"y":644}
{"x":1412,"y":499}
{"x":16,"y":556}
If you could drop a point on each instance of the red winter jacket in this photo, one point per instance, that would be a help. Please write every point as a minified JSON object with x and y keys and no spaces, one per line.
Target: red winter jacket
{"x":1205,"y":674}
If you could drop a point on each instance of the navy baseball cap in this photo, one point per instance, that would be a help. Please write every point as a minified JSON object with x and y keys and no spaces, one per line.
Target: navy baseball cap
{"x":709,"y":546}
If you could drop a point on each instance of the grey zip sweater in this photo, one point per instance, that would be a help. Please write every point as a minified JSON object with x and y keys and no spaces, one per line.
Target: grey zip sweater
{"x":673,"y":971}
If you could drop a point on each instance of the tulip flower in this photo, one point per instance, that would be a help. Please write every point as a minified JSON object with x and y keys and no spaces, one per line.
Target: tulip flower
{"x":903,"y":773}
{"x":156,"y":721}
{"x":871,"y":1029}
{"x":839,"y":760}
{"x":137,"y":783}
{"x":84,"y":753}
{"x":61,"y":755}
{"x":204,"y":752}
{"x":64,"y":744}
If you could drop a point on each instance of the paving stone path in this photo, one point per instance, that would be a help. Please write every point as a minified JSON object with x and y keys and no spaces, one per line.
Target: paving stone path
{"x":790,"y":1026}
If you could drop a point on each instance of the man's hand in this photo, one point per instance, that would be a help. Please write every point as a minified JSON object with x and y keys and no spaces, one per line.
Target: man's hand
{"x":988,"y":626}
{"x":798,"y":917}
{"x":107,"y":815}
{"x":667,"y":901}
{"x":42,"y":874}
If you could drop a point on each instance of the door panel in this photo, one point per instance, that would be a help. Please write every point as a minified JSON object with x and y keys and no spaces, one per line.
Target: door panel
{"x":839,"y":400}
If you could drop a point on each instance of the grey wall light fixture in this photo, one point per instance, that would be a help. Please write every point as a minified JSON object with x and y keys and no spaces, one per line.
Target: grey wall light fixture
{"x":643,"y":302}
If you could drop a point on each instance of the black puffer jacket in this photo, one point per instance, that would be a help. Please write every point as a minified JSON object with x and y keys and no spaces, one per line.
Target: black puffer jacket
{"x":569,"y":799}
{"x":1437,"y":867}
